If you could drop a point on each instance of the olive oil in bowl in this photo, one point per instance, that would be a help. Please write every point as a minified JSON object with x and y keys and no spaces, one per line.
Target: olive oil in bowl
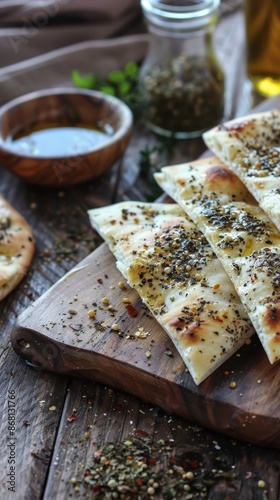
{"x":56,"y":141}
{"x":63,"y":137}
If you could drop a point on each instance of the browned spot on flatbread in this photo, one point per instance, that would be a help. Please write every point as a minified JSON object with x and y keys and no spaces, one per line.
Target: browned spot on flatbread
{"x":189,"y":334}
{"x":177,"y":323}
{"x":276,"y":337}
{"x":272,"y":321}
{"x":217,"y":173}
{"x":181,"y":182}
{"x":170,"y":225}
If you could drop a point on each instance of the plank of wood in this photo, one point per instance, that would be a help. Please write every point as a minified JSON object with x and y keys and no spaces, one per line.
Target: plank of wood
{"x":153,"y":372}
{"x":56,"y":334}
{"x":110,"y":416}
{"x":42,"y":456}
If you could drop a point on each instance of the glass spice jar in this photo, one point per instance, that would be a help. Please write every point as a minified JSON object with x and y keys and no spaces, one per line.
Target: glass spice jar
{"x":181,"y":80}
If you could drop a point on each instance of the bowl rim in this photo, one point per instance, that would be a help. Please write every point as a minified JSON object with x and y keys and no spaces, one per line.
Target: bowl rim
{"x":124,"y":111}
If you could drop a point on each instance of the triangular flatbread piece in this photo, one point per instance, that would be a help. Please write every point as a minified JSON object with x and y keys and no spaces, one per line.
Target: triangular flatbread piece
{"x":250,"y":146}
{"x":242,"y":236}
{"x":173,"y":268}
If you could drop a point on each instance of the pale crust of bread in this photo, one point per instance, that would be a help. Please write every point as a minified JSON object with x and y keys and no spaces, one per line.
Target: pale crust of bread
{"x":16,"y":247}
{"x":169,"y":262}
{"x":243,"y":237}
{"x":250,"y":146}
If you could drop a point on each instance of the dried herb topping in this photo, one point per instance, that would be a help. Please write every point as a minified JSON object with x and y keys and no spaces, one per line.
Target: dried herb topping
{"x":184,"y":94}
{"x":140,"y":469}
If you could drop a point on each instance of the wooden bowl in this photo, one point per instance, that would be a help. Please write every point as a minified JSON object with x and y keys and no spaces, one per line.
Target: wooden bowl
{"x":64,"y":107}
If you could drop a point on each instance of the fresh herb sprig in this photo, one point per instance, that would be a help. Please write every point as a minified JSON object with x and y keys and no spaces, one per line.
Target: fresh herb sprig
{"x":118,"y":83}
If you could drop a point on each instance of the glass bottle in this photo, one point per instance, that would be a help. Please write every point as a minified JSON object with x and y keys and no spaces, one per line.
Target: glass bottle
{"x":263,"y":45}
{"x":181,"y":80}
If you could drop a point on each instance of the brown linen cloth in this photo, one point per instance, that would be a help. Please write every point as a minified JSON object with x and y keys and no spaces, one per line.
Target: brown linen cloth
{"x":41,"y":42}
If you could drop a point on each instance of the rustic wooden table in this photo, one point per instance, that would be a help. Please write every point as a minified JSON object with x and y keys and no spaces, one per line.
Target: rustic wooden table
{"x":49,"y":449}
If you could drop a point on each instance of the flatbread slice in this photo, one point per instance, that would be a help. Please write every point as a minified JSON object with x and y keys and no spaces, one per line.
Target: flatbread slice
{"x":173,"y":268}
{"x":242,"y":236}
{"x":250,"y":146}
{"x":16,"y":247}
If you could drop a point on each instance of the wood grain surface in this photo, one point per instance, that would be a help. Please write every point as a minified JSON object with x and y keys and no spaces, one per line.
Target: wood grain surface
{"x":48,"y":335}
{"x":52,"y":453}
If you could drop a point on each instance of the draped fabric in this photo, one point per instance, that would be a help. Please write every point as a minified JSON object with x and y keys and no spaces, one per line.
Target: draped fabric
{"x":42,"y":41}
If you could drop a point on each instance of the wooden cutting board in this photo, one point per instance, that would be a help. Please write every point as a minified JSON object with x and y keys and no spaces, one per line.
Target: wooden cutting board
{"x":55,"y":333}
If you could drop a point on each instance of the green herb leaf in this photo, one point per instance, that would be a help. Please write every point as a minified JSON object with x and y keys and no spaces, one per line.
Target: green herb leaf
{"x":108,"y":89}
{"x":116,"y":77}
{"x":119,"y":83}
{"x":131,"y":69}
{"x":87,"y":81}
{"x":125,"y":88}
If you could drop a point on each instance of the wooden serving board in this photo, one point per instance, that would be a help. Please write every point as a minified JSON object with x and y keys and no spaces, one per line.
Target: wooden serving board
{"x":51,"y":337}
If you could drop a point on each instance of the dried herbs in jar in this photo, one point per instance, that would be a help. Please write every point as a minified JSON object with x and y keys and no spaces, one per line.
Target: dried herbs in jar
{"x":184,"y":95}
{"x":181,"y":80}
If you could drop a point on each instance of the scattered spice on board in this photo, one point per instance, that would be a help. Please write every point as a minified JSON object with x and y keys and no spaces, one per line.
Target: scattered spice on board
{"x":72,"y":418}
{"x":132,"y":311}
{"x":71,"y":242}
{"x":76,"y":326}
{"x":168,"y":353}
{"x":140,"y":468}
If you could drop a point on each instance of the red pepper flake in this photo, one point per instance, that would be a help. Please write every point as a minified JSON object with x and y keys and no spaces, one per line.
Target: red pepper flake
{"x":140,"y":434}
{"x":100,"y":280}
{"x":62,"y":441}
{"x":152,"y":461}
{"x":96,"y":488}
{"x":131,"y":310}
{"x":249,"y":475}
{"x":98,"y":453}
{"x":71,"y":418}
{"x":193,"y":463}
{"x":138,"y":482}
{"x":218,"y":319}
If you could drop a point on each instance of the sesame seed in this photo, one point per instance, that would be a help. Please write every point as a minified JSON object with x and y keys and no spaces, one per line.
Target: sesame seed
{"x":188,"y":475}
{"x":105,"y":301}
{"x":121,"y":285}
